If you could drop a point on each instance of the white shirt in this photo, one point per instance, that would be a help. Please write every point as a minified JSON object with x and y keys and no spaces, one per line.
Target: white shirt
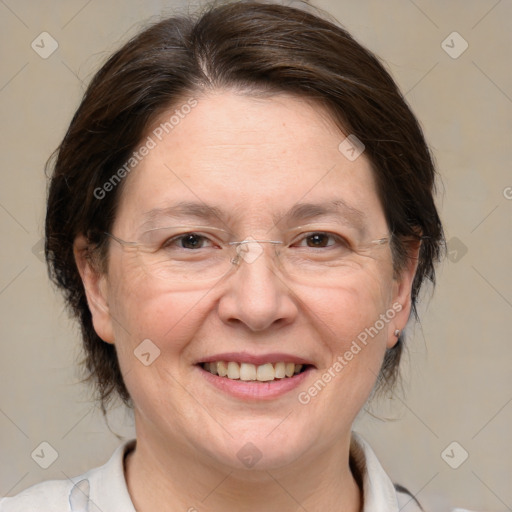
{"x":104,"y":489}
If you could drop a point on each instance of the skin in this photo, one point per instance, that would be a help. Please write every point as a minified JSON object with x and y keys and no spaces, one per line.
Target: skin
{"x":240,"y":152}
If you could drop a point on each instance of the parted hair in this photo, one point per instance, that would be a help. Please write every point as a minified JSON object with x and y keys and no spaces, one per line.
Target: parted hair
{"x":251,"y":47}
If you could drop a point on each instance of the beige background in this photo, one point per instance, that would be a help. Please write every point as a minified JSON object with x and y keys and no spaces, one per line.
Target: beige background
{"x":459,"y":378}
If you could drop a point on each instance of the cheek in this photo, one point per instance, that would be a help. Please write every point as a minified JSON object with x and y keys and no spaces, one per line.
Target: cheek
{"x":352,"y":324}
{"x":347,"y":309}
{"x":170,"y":321}
{"x":145,"y":309}
{"x":352,"y":330}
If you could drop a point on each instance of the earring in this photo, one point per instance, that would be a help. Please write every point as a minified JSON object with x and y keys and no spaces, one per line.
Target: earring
{"x":397,"y":333}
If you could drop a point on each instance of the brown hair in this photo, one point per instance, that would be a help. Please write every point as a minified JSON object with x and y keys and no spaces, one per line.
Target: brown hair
{"x":243,"y":46}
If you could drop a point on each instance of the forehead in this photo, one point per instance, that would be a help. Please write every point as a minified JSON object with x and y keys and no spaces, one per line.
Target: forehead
{"x":255,"y":157}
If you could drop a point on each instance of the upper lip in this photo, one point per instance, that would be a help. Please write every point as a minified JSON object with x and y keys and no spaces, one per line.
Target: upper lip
{"x":256,"y":359}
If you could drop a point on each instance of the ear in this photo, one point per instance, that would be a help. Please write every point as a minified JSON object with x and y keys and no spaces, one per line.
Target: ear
{"x":401,"y":301}
{"x":96,"y":289}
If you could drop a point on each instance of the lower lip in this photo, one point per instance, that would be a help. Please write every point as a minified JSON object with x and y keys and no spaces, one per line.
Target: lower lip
{"x":254,"y":390}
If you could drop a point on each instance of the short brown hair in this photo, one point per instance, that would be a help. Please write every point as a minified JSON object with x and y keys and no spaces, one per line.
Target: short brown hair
{"x":242,"y":46}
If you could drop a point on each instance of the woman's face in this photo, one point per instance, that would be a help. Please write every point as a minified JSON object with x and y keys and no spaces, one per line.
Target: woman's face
{"x":255,"y":160}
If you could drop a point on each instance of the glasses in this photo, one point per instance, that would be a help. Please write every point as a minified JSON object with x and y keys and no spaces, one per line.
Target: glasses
{"x":185,"y":255}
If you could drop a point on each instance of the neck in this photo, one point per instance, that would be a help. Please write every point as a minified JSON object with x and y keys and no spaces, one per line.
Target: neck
{"x":172,"y":478}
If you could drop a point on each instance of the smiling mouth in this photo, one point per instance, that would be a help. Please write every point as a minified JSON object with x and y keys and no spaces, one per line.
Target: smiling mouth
{"x":254,"y":373}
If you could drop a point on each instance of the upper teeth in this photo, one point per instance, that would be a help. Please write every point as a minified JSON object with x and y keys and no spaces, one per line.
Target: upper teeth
{"x":248,"y":371}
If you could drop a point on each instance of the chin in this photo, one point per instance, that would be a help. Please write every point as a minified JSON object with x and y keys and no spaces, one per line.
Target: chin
{"x":261,"y":449}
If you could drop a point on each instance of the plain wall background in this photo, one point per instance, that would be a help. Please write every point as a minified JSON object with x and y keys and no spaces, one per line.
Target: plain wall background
{"x":458,"y":371}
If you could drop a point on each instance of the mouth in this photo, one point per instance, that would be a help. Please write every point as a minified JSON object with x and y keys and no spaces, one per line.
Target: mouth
{"x":249,"y":372}
{"x":255,"y":377}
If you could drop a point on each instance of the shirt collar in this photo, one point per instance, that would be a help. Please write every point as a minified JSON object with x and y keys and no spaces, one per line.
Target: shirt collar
{"x":379,"y":493}
{"x":108,"y":490}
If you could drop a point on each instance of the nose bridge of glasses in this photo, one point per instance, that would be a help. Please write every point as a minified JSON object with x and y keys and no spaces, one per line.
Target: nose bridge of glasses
{"x":250,"y":249}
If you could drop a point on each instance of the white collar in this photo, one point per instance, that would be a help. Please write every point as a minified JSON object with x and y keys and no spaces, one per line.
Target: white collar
{"x":378,"y":490}
{"x":108,"y":491}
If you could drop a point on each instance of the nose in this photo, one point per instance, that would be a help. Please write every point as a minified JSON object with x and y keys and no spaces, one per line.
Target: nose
{"x":256,"y":294}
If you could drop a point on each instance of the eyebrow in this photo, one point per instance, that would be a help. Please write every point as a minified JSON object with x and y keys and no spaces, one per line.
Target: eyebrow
{"x":200,"y":211}
{"x":335,"y":208}
{"x":299,"y":212}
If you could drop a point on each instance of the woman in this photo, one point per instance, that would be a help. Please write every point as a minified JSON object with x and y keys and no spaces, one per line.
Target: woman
{"x":241,"y":217}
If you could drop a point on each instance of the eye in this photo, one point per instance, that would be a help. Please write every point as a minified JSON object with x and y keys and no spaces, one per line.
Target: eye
{"x":321,"y":239}
{"x":189,"y":241}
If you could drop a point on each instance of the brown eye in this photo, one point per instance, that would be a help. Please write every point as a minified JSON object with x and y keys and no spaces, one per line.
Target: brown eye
{"x":187,"y":241}
{"x":318,"y":240}
{"x":192,"y":241}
